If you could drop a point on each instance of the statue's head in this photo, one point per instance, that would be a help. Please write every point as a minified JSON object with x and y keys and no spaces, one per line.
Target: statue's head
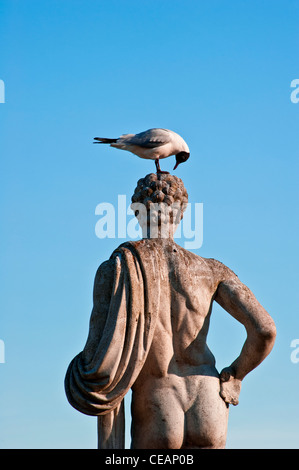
{"x":159,"y":202}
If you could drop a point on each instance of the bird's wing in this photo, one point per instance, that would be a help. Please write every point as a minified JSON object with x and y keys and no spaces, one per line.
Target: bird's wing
{"x":149,"y":139}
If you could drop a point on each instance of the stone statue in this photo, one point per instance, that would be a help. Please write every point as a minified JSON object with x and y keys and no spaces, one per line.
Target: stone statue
{"x":148,"y":328}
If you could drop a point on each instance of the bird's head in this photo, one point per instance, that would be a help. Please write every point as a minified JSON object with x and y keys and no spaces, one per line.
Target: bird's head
{"x":181,"y":157}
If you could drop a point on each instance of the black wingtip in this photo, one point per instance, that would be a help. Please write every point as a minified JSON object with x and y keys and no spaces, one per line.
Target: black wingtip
{"x":104,"y":140}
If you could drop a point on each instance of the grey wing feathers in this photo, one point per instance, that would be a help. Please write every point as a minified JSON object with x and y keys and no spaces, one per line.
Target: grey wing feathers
{"x":150,"y":139}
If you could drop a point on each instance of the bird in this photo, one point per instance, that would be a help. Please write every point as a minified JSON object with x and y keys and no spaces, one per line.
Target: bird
{"x":152,"y":144}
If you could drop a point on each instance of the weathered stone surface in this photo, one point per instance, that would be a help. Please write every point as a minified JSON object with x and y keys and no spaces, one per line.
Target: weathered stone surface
{"x":148,"y":329}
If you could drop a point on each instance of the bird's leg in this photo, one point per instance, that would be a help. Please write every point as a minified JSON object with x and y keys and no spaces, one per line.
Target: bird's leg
{"x":158,"y":167}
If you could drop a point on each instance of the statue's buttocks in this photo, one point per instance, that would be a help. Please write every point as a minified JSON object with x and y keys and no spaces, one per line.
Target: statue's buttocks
{"x":179,"y":411}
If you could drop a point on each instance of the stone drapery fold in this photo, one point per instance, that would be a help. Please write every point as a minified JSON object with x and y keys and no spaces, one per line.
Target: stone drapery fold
{"x":95,"y":384}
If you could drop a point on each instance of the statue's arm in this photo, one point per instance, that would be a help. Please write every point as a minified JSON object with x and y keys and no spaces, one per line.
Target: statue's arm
{"x":240,"y":302}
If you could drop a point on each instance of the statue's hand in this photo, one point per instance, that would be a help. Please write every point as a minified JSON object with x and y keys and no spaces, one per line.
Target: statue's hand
{"x":229,"y":386}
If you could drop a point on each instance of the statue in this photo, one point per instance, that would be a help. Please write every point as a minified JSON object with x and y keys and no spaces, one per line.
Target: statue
{"x":148,"y":328}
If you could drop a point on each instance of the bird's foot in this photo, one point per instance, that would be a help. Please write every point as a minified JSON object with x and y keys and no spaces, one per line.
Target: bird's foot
{"x":159,"y":171}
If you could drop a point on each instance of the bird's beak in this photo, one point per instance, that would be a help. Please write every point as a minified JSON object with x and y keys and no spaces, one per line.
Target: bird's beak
{"x":176,"y":165}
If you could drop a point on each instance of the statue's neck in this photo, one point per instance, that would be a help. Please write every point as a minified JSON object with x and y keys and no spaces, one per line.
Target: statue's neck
{"x":159,"y":232}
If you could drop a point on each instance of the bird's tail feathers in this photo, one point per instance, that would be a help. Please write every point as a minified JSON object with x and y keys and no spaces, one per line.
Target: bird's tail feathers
{"x":104,"y":140}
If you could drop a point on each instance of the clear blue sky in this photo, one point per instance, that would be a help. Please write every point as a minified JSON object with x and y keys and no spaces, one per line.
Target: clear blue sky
{"x":217,"y":72}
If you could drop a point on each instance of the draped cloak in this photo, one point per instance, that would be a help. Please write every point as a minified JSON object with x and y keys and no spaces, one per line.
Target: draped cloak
{"x":96,"y":383}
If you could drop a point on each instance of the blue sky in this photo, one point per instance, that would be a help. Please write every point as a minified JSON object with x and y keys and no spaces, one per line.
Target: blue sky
{"x":218,"y":73}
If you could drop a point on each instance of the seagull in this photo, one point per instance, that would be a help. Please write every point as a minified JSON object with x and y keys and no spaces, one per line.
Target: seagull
{"x":153,"y":144}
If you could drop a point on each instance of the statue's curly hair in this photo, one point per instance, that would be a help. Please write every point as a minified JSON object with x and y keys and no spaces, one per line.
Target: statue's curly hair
{"x":161,"y":188}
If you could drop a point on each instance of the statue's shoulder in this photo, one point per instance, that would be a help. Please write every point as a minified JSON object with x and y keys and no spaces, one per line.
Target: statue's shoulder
{"x":105,"y":274}
{"x":105,"y":267}
{"x":130,"y":245}
{"x":218,"y":269}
